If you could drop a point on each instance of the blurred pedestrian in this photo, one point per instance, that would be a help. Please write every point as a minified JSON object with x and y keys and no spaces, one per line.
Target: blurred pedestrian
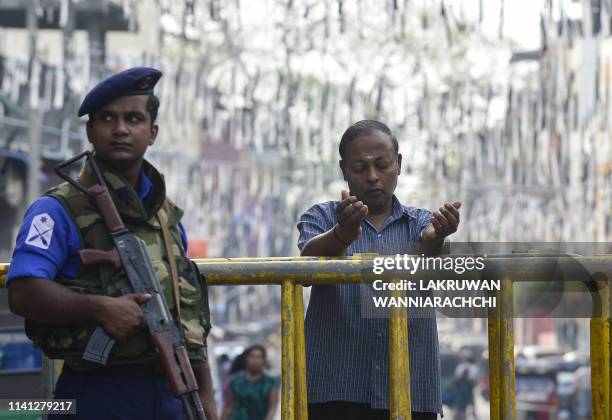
{"x":250,"y":394}
{"x":235,"y":366}
{"x":582,"y":393}
{"x":462,"y":391}
{"x":224,"y":363}
{"x":472,"y":370}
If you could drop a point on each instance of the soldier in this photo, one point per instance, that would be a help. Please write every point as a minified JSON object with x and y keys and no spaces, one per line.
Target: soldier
{"x":63,"y":301}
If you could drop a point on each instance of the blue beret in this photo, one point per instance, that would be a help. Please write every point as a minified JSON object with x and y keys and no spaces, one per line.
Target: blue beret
{"x":134,"y":81}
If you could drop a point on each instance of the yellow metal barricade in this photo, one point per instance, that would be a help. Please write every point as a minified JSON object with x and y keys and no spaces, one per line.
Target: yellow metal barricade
{"x":494,"y":331}
{"x":399,"y":401}
{"x":507,"y":374}
{"x":293,"y":272}
{"x":600,"y":349}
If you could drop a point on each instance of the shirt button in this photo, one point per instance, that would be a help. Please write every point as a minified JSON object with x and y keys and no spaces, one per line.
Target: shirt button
{"x":379,"y":235}
{"x":379,"y":335}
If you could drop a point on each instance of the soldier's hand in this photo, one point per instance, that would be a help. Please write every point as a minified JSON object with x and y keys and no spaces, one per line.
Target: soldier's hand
{"x":443,"y":222}
{"x":122,"y":316}
{"x":349,"y":213}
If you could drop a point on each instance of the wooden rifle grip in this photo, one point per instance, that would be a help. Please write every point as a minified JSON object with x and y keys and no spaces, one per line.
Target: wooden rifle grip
{"x":93,"y":257}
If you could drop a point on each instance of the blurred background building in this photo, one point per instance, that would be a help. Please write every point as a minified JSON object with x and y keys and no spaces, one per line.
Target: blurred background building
{"x":502,"y":105}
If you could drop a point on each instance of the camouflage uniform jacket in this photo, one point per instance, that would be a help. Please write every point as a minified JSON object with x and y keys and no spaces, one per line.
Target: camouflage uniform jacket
{"x":141,"y":218}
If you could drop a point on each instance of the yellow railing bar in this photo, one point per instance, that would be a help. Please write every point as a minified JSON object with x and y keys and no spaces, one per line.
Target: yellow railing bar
{"x":51,"y":370}
{"x":301,"y":392}
{"x":507,"y":377}
{"x":288,"y":351}
{"x":399,"y":365}
{"x":495,"y":371}
{"x":600,"y":352}
{"x":333,"y":269}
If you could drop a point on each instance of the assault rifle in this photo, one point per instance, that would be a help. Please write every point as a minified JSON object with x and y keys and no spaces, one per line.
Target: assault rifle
{"x":131,"y":253}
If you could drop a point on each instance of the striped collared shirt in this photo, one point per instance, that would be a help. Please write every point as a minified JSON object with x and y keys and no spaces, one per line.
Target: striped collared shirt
{"x":347,"y":354}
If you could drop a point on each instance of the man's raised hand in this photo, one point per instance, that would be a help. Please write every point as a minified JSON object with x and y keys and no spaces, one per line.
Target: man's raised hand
{"x":349,"y":213}
{"x":444,"y":222}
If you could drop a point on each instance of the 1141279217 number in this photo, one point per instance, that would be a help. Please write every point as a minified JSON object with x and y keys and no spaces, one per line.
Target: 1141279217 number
{"x":42,"y":406}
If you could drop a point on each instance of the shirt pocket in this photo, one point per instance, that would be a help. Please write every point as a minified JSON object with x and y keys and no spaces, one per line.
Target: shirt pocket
{"x":194,"y":306}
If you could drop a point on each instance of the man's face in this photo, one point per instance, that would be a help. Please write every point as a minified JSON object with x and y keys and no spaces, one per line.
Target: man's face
{"x":121,"y":131}
{"x":371,"y":167}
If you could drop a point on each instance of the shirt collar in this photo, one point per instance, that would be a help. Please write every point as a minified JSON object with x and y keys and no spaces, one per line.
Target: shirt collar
{"x":145,"y":186}
{"x":397,"y":213}
{"x":400,"y":210}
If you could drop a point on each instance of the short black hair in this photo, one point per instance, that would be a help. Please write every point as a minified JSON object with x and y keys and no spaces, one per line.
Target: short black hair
{"x":364,"y":127}
{"x":152,"y":107}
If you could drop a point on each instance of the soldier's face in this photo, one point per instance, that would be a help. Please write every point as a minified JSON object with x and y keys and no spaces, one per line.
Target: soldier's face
{"x":371,"y":167}
{"x":121,"y":131}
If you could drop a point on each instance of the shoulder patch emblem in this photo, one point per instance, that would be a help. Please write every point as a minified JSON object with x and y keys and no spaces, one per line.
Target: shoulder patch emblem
{"x":41,"y":231}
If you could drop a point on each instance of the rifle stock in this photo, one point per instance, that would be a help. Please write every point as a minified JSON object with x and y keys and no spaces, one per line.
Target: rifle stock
{"x":181,"y":380}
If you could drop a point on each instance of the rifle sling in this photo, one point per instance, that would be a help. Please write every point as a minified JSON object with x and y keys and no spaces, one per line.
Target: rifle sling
{"x":163,"y":221}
